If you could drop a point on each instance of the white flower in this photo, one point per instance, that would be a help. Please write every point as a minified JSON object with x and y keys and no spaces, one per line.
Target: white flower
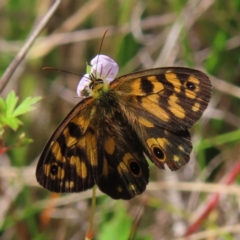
{"x":103,"y":68}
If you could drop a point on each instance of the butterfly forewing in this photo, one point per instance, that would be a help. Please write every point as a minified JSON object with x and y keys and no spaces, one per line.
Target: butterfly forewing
{"x":174,"y":97}
{"x":71,"y":160}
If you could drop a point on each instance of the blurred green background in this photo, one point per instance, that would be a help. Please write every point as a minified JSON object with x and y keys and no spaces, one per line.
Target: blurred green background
{"x":141,"y":34}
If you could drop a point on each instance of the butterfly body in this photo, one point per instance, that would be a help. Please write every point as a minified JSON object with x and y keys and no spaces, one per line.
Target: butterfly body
{"x":106,"y":137}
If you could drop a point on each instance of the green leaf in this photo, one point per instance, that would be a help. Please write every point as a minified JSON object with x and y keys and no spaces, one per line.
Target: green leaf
{"x":11,"y":102}
{"x":23,"y":140}
{"x":88,"y":68}
{"x":26,"y":106}
{"x":9,"y":111}
{"x":233,"y":136}
{"x":12,"y":122}
{"x":119,"y":226}
{"x":2,"y":106}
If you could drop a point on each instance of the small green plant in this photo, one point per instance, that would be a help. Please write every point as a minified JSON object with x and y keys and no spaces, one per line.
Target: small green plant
{"x":9,"y":118}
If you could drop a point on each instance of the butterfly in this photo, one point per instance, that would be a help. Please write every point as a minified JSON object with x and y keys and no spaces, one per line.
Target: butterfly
{"x":108,"y":136}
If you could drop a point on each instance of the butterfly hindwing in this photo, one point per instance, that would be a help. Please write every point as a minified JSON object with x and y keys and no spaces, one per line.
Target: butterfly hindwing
{"x":165,"y":147}
{"x":125,"y":171}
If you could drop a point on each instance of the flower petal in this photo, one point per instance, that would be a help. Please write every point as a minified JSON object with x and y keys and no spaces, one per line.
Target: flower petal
{"x":83,"y":86}
{"x":104,"y":67}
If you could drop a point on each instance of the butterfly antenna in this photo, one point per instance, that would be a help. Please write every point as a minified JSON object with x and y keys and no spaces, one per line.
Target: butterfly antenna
{"x":63,"y":71}
{"x":100,"y":49}
{"x":59,"y":70}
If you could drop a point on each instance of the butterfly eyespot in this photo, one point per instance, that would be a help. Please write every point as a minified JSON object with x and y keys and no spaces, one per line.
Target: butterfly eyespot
{"x":54,"y":169}
{"x":158,"y":153}
{"x":135,"y":168}
{"x":191,"y":86}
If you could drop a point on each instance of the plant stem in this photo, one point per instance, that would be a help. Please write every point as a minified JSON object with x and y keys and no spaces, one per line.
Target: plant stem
{"x":89,"y":234}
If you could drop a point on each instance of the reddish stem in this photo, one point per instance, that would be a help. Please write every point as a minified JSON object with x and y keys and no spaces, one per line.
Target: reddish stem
{"x":47,"y":212}
{"x":213,"y":200}
{"x":3,"y":150}
{"x":89,"y":236}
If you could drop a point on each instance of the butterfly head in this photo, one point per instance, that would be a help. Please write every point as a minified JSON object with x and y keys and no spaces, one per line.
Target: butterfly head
{"x":102,"y":71}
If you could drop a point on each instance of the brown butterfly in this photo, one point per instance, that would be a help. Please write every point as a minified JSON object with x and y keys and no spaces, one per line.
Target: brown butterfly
{"x":106,"y":137}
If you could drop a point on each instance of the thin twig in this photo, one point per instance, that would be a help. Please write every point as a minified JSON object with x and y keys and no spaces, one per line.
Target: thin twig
{"x":46,"y":44}
{"x":21,"y":55}
{"x":213,"y":233}
{"x":190,"y":14}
